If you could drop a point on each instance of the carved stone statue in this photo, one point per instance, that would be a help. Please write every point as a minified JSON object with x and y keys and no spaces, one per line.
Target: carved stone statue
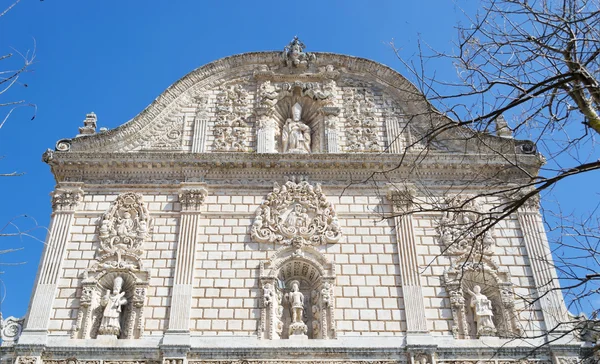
{"x":295,"y":136}
{"x":298,"y":217}
{"x":482,"y":309}
{"x":125,"y":225}
{"x":295,"y":299}
{"x":113,"y":302}
{"x":294,"y":56}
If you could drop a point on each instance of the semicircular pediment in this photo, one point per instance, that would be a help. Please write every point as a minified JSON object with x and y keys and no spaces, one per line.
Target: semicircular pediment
{"x":269,"y":102}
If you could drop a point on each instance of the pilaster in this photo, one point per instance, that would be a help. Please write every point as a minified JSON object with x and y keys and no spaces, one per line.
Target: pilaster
{"x":65,"y":200}
{"x":542,"y":266}
{"x":412,"y":292}
{"x":330,"y":115}
{"x":394,"y":134}
{"x":191,"y":199}
{"x":266,"y":131}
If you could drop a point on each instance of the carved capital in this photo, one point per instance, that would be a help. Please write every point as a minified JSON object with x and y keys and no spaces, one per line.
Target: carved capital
{"x":192,"y":199}
{"x":66,"y":199}
{"x":401,"y":197}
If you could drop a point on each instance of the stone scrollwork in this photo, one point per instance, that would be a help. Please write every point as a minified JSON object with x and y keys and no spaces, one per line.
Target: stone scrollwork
{"x":10,"y":330}
{"x":296,"y":214}
{"x":230,"y":126}
{"x":464,"y":228}
{"x":361,"y":122}
{"x":125,"y":226}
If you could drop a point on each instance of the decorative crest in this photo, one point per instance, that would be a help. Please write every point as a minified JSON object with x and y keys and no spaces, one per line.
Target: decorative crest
{"x":296,"y":214}
{"x":294,"y":56}
{"x":464,"y":228}
{"x":125,"y":226}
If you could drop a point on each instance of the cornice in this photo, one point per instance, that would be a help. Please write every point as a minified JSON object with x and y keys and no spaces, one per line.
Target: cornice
{"x":175,"y":167}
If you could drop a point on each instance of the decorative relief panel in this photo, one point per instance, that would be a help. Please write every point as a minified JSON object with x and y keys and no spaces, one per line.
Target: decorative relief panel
{"x":114,"y":288}
{"x":296,"y":214}
{"x":361,"y":122}
{"x":124,"y":227}
{"x":231,"y":129}
{"x":464,"y":228}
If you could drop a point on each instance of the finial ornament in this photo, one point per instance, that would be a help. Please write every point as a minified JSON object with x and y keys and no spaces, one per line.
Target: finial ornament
{"x":294,"y":56}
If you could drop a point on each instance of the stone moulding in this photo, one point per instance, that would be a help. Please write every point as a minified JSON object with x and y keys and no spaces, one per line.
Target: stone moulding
{"x":296,"y":214}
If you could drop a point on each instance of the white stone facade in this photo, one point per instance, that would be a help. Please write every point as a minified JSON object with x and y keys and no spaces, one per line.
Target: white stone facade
{"x":208,"y":216}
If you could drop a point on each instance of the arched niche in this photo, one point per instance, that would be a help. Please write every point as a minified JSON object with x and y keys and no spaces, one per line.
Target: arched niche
{"x":98,"y":281}
{"x":495,"y":284}
{"x":316,"y":278}
{"x":276,"y":104}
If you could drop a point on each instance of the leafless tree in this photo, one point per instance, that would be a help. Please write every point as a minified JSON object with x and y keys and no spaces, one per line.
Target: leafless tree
{"x":537,"y":64}
{"x":13,"y":65}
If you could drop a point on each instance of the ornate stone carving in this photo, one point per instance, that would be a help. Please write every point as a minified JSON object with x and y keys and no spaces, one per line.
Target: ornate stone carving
{"x":489,"y":291}
{"x":401,"y":197}
{"x":10,"y":330}
{"x":296,"y":214}
{"x":112,"y":303}
{"x":295,"y":135}
{"x":305,"y":279}
{"x":125,"y":226}
{"x":230,"y":126}
{"x":89,"y":125}
{"x":295,"y":301}
{"x":27,"y":360}
{"x":293,"y":54}
{"x":464,"y":228}
{"x":192,"y":199}
{"x":361,"y":123}
{"x":482,"y":312}
{"x":66,"y":198}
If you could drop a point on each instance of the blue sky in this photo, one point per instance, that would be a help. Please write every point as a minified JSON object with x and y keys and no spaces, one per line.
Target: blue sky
{"x":115,"y":57}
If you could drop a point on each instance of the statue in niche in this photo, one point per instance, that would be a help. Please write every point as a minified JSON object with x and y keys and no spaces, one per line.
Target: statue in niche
{"x":295,"y":299}
{"x":296,"y":135}
{"x":113,"y":302}
{"x":482,"y":310}
{"x":298,"y":217}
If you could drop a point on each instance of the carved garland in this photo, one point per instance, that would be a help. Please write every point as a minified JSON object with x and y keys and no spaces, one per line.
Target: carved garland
{"x":296,"y":214}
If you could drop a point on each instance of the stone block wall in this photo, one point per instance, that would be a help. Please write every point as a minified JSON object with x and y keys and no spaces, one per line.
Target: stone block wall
{"x":226,"y":294}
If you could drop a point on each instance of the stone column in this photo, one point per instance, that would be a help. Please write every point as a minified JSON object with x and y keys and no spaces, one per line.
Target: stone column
{"x":177,"y":335}
{"x":414,"y":305}
{"x":266,"y":130}
{"x":330,"y":115}
{"x":542,"y":265}
{"x":64,"y":203}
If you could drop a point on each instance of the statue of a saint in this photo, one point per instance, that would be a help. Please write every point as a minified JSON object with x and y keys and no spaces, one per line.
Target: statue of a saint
{"x":125,"y":225}
{"x":295,"y":135}
{"x":296,"y":301}
{"x":112,"y":302}
{"x":482,"y":309}
{"x":298,"y":217}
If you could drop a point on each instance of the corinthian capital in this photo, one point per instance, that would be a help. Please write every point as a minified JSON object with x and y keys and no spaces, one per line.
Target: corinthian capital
{"x":401,"y":197}
{"x":66,"y":198}
{"x":192,"y":199}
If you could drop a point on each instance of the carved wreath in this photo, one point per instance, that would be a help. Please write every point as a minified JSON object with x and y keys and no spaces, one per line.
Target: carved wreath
{"x":296,"y":214}
{"x":125,"y":226}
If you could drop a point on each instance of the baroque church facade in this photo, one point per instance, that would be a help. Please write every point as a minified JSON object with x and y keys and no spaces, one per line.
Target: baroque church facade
{"x":255,"y":212}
